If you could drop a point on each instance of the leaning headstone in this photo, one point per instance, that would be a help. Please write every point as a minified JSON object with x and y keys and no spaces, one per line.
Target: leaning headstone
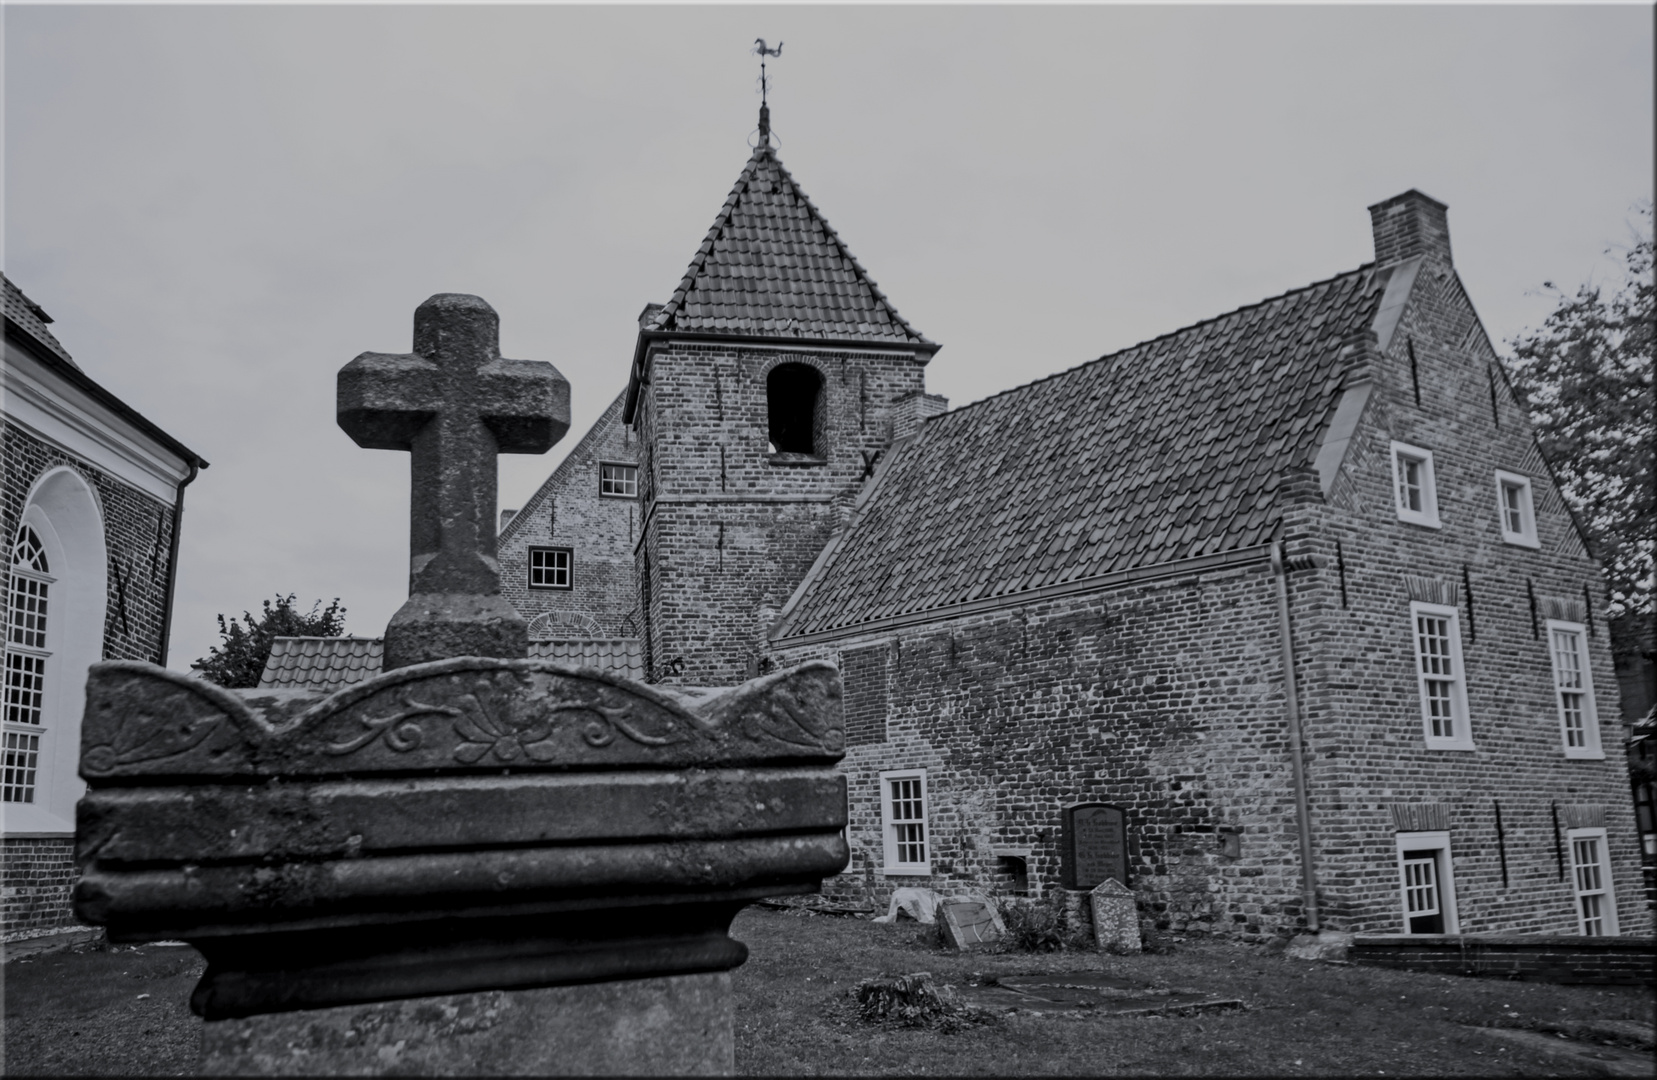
{"x":1115,"y":917}
{"x":970,"y":923}
{"x":468,"y":864}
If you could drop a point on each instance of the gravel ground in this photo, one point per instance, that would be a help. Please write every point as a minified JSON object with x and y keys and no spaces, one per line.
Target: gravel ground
{"x":96,"y":1011}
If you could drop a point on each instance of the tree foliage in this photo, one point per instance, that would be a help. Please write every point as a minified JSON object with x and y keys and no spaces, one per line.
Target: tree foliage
{"x":1587,"y":377}
{"x":240,"y":658}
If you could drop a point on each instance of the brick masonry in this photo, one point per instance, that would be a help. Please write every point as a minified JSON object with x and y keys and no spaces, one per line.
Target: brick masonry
{"x":730,"y":528}
{"x":1570,"y":959}
{"x":569,"y":511}
{"x":1167,"y":698}
{"x":36,"y":875}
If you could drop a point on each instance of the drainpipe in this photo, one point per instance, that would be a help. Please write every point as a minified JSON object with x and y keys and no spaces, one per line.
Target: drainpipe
{"x":172,"y":565}
{"x":1291,"y":710}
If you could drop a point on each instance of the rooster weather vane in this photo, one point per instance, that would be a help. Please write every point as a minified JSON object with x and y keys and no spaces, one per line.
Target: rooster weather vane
{"x":762,"y":52}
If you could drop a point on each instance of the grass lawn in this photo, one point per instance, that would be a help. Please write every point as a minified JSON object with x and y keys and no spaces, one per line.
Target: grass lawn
{"x":124,"y":1011}
{"x":795,"y":1013}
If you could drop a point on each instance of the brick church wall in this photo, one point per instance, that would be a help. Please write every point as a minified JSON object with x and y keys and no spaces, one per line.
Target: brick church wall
{"x":730,"y":528}
{"x":1360,"y":693}
{"x":37,"y":874}
{"x":138,"y":531}
{"x":570,"y":511}
{"x":1164,"y":698}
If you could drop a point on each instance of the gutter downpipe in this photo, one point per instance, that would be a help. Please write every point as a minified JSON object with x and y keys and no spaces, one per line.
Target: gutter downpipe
{"x":172,"y":563}
{"x":1291,"y":709}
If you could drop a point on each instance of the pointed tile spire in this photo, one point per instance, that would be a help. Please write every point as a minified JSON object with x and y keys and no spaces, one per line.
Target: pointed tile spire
{"x":772,"y":267}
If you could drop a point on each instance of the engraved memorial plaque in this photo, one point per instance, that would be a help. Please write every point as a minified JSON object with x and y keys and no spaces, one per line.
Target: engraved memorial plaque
{"x":1095,"y":845}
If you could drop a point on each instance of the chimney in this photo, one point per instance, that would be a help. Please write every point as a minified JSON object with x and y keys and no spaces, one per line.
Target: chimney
{"x":506,"y":516}
{"x":1408,"y":225}
{"x":909,"y":410}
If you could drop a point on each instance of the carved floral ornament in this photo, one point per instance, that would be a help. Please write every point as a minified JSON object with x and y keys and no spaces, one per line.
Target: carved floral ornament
{"x":145,"y":720}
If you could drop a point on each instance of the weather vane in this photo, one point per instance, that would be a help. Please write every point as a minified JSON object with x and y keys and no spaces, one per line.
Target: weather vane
{"x":762,"y":51}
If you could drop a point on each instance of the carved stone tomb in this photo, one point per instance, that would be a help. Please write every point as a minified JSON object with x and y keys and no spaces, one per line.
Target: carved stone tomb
{"x":467,"y":864}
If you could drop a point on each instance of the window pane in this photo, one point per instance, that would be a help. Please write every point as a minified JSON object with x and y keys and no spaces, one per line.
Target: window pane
{"x":1512,"y":507}
{"x":1420,"y":883}
{"x":1567,"y":659}
{"x":22,"y":752}
{"x":28,"y":612}
{"x":25,"y":687}
{"x":1409,"y":483}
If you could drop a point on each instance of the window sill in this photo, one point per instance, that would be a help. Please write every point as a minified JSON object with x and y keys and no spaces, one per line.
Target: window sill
{"x":1521,"y":541}
{"x":906,"y":871}
{"x":1435,"y":744}
{"x":1423,"y":521}
{"x":1585,"y":755}
{"x":796,"y":460}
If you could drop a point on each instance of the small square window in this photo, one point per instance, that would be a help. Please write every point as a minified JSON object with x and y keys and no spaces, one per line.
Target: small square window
{"x":1596,"y":903}
{"x":549,"y":568}
{"x":903,"y":822}
{"x":1427,"y":883}
{"x":1574,"y":690}
{"x":1514,"y":509}
{"x":1440,"y":676}
{"x":1414,"y":491}
{"x":618,"y":481}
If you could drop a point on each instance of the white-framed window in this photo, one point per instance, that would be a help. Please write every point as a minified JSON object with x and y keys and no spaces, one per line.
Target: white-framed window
{"x":25,"y":667}
{"x":618,"y":481}
{"x":1515,"y":510}
{"x":903,"y":822}
{"x":1596,"y":904}
{"x":1436,"y":631}
{"x":1414,"y":491}
{"x":1573,"y":686}
{"x":549,"y":568}
{"x":1427,"y":883}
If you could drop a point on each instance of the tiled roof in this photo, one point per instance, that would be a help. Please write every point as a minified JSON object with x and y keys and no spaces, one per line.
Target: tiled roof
{"x":619,"y":656}
{"x":321,"y":663}
{"x":29,"y":317}
{"x":1172,"y":449}
{"x":771,"y":265}
{"x":329,"y":664}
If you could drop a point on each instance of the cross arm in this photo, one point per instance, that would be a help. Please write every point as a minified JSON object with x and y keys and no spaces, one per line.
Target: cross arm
{"x":525,"y":403}
{"x":384,"y":399}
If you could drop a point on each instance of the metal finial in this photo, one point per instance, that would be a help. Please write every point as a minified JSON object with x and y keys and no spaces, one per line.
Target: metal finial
{"x":764,"y":88}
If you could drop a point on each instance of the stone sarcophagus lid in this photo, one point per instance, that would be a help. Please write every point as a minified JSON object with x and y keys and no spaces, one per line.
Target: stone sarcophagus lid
{"x":450,"y":826}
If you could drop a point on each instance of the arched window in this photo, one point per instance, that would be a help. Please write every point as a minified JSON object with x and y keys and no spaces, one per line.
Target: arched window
{"x":26,"y":658}
{"x":794,"y":399}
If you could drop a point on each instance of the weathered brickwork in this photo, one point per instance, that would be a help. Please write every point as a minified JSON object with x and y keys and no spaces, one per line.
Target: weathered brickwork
{"x":1168,"y":699}
{"x":138,"y":532}
{"x":730,"y":527}
{"x":571,"y":511}
{"x":36,"y":878}
{"x":1360,"y":693}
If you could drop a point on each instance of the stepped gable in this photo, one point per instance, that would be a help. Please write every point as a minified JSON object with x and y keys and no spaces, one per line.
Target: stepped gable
{"x":772,"y":266}
{"x":1171,"y":449}
{"x":29,"y":317}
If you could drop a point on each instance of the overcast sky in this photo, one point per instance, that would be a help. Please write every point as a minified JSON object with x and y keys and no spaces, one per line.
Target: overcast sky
{"x":222,"y":206}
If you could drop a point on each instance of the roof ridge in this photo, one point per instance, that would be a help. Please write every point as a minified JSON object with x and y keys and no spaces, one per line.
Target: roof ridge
{"x":845,"y":252}
{"x":1361,"y":268}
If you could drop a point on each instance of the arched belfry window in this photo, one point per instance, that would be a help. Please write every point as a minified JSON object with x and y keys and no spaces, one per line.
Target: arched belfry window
{"x":794,"y":400}
{"x":26,"y":657}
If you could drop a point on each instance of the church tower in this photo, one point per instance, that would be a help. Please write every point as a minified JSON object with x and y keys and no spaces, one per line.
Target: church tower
{"x":764,"y":394}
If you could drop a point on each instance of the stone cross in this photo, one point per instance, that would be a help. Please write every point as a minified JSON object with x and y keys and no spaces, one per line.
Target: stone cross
{"x":454,"y":404}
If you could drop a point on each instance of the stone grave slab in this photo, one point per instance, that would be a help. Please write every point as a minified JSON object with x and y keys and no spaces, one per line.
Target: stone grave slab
{"x":1090,"y":993}
{"x":970,"y":923}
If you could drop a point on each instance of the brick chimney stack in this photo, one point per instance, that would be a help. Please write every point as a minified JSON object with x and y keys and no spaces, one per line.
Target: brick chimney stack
{"x":1408,"y":225}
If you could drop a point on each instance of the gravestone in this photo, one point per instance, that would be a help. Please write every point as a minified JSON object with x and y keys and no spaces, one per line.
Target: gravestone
{"x":1115,"y":917}
{"x":473,"y":863}
{"x":969,"y":923}
{"x":1094,"y":846}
